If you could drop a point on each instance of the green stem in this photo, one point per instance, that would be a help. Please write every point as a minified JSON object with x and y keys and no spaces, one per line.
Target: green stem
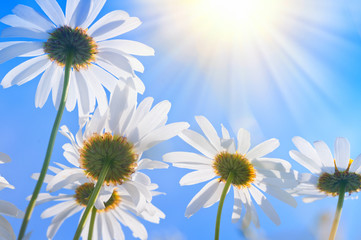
{"x":336,"y":220}
{"x":92,"y":199}
{"x":221,"y":201}
{"x":54,"y":131}
{"x":91,"y":225}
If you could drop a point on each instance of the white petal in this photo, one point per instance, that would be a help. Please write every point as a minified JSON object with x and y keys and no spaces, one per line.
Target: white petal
{"x":225,"y":133}
{"x":69,"y":11}
{"x":20,"y":32}
{"x":73,"y":92}
{"x":324,"y":154}
{"x":209,"y":132}
{"x":53,"y":11}
{"x":117,"y":59}
{"x":272,"y":163}
{"x":187,"y":158}
{"x":263,"y":148}
{"x":15,"y":21}
{"x":198,"y":142}
{"x":34,"y":53}
{"x":60,"y":218}
{"x":10,"y":209}
{"x":64,"y":178}
{"x":56,"y":209}
{"x":128,"y":46}
{"x":81,"y":13}
{"x":6,"y":231}
{"x":342,"y":153}
{"x":57,"y":86}
{"x":355,"y":166}
{"x":308,"y":163}
{"x":279,"y":194}
{"x":237,"y":206}
{"x":267,"y":208}
{"x":32,"y":16}
{"x":4,"y":158}
{"x":201,"y":197}
{"x":97,"y":6}
{"x":18,"y":49}
{"x":86,"y":100}
{"x":306,"y":149}
{"x":161,"y":134}
{"x":197,"y":177}
{"x":98,"y":89}
{"x":150,"y":164}
{"x":44,"y":86}
{"x":26,"y":71}
{"x":106,"y":79}
{"x":216,"y":195}
{"x":137,"y":228}
{"x":138,"y":198}
{"x":46,"y":197}
{"x":244,"y":141}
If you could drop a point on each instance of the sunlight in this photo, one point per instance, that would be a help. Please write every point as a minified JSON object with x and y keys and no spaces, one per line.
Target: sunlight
{"x":235,"y":18}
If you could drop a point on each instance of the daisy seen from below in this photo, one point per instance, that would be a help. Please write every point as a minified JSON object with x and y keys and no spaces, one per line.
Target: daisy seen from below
{"x":109,"y":147}
{"x":330,"y":176}
{"x":96,"y":57}
{"x":7,"y":208}
{"x":114,"y":206}
{"x":249,"y":172}
{"x":77,"y":58}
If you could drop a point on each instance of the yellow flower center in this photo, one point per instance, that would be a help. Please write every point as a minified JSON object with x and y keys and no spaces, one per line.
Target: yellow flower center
{"x":106,"y":148}
{"x":66,"y":39}
{"x":243,"y":171}
{"x":83,"y":193}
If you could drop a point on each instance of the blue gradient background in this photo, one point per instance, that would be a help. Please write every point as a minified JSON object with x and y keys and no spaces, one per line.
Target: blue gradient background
{"x":309,"y":87}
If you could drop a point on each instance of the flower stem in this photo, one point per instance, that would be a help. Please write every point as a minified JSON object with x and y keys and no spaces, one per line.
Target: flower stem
{"x":92,"y":199}
{"x":221,"y":201}
{"x":54,"y":131}
{"x":336,"y":220}
{"x":91,"y":225}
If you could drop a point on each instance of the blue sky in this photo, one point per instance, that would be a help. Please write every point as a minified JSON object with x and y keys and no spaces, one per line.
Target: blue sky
{"x":304,"y":80}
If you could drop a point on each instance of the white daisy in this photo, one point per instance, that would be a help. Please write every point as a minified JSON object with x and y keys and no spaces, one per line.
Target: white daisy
{"x":98,"y":58}
{"x":114,"y":206}
{"x":253,"y":173}
{"x":119,"y":139}
{"x":327,"y":172}
{"x":7,"y":208}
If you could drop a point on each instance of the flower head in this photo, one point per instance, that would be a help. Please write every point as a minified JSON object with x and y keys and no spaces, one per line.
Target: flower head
{"x":328,"y":173}
{"x":253,"y":173}
{"x":114,"y":206}
{"x":98,"y":59}
{"x":118,"y":139}
{"x":7,"y":208}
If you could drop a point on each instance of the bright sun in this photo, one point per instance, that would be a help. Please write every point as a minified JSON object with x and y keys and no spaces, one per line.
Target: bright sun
{"x":235,"y":18}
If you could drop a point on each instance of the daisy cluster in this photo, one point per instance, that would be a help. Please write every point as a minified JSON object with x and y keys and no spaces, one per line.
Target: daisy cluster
{"x":103,"y":176}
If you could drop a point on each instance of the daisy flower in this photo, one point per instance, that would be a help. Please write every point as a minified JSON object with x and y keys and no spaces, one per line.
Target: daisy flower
{"x":253,"y":174}
{"x":327,"y":172}
{"x":97,"y":58}
{"x":118,"y":139}
{"x":7,"y":208}
{"x":114,"y":207}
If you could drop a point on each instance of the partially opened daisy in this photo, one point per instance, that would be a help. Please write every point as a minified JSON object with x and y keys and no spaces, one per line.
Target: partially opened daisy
{"x":114,"y":207}
{"x":7,"y":208}
{"x":249,"y":172}
{"x":330,"y":176}
{"x":110,"y":146}
{"x":96,"y":57}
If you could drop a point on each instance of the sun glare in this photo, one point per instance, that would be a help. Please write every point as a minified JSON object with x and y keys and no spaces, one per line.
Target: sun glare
{"x":235,"y":18}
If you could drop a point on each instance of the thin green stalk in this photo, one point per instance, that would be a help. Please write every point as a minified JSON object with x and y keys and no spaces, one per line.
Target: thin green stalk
{"x":336,"y":220}
{"x":221,"y":201}
{"x":92,"y":199}
{"x":91,"y":225}
{"x":54,"y":131}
